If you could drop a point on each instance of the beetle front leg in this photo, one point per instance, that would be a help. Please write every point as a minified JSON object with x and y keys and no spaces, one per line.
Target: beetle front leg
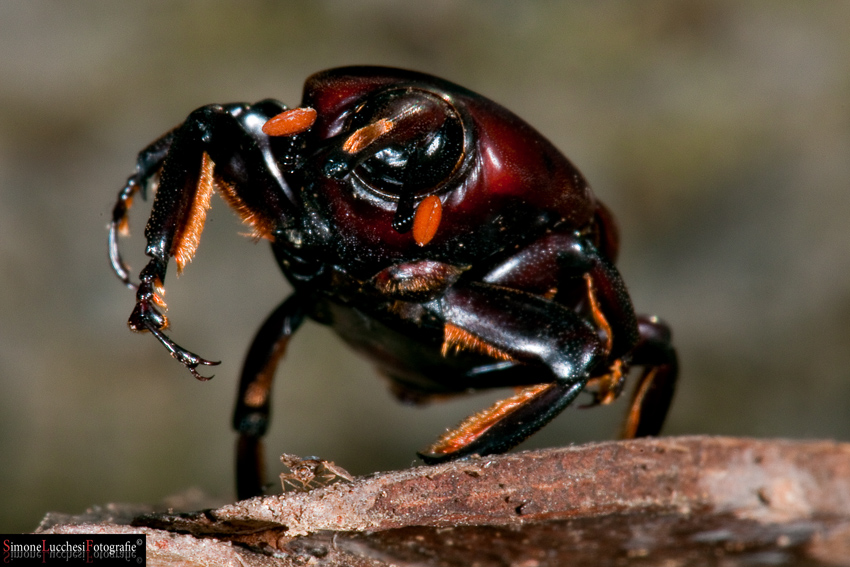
{"x":148,"y":164}
{"x":251,"y":416}
{"x":146,"y":317}
{"x":560,"y":349}
{"x":216,"y":146}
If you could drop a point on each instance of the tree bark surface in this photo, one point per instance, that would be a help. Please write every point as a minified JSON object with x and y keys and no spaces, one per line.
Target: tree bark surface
{"x":667,"y":501}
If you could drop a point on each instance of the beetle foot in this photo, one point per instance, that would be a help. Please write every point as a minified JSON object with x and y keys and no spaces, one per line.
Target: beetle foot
{"x":146,"y":318}
{"x":608,"y":387}
{"x":189,"y":359}
{"x":656,"y":386}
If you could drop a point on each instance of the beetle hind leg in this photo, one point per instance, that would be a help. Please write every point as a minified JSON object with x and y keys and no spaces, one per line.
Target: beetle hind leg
{"x":654,"y":391}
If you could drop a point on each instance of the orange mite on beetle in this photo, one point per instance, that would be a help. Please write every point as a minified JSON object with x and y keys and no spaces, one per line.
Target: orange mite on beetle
{"x":436,"y":232}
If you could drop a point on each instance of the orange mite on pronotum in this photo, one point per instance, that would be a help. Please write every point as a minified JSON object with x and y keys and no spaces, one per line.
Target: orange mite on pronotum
{"x":290,"y":122}
{"x":427,"y":219}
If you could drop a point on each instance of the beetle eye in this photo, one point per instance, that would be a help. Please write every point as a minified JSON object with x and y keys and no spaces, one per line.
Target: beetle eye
{"x":423,"y":149}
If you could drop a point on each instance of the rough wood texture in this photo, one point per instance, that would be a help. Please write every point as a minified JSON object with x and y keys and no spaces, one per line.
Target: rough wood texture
{"x":671,"y":501}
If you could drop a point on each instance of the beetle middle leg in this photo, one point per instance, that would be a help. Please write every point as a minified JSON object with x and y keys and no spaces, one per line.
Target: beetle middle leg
{"x":575,"y":317}
{"x":559,"y":348}
{"x":251,"y":415}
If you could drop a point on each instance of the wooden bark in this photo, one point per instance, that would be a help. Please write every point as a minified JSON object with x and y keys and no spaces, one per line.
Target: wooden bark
{"x":669,"y":501}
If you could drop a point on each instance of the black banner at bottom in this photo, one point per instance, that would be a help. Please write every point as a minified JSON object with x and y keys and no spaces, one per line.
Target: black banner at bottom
{"x":72,"y":549}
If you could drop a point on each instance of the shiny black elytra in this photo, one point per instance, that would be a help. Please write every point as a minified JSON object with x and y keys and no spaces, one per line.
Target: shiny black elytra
{"x":436,"y":232}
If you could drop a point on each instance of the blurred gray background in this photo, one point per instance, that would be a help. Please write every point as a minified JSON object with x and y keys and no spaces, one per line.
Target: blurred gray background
{"x":718,"y":132}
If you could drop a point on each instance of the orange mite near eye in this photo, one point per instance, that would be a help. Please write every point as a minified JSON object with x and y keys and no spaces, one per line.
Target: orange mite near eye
{"x":427,"y":219}
{"x":290,"y":122}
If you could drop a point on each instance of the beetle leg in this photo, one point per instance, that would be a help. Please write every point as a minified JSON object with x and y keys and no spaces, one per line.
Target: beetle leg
{"x":148,"y":164}
{"x":652,"y":349}
{"x":560,"y":261}
{"x":216,"y":147}
{"x":504,"y":424}
{"x":654,"y":391}
{"x":552,"y":340}
{"x":251,"y":416}
{"x":608,"y":387}
{"x":120,"y":225}
{"x":482,"y":322}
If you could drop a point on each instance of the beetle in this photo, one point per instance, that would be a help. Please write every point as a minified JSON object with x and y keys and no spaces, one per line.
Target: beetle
{"x":435,"y":231}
